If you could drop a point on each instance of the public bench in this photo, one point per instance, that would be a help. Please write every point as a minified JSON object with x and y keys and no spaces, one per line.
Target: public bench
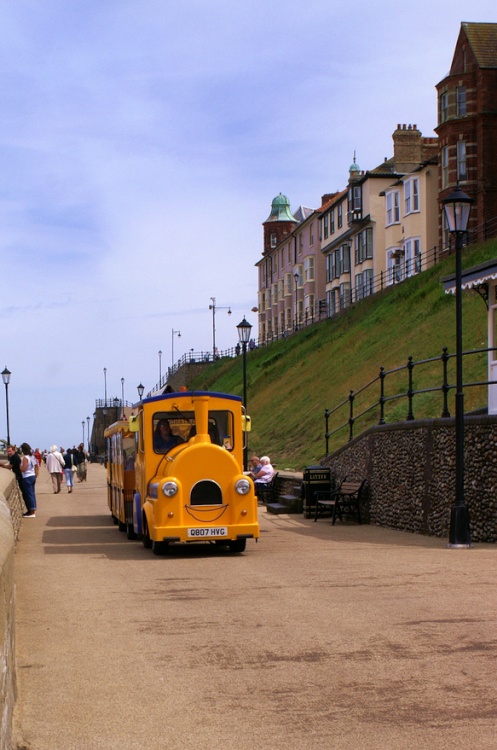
{"x":267,"y":492}
{"x":345,"y":500}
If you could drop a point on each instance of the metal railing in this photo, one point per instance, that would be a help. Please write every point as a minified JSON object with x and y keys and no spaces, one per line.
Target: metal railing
{"x":408,"y":393}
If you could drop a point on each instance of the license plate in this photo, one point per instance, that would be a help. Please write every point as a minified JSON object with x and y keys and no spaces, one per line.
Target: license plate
{"x":207,"y":532}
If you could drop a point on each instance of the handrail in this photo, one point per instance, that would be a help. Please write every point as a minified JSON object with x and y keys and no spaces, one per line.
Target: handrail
{"x":409,"y":393}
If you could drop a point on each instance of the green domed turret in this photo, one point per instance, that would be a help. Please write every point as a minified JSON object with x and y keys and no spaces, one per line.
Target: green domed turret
{"x":280,"y":210}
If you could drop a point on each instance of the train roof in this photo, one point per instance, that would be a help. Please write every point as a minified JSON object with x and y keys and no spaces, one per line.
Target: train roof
{"x":186,"y":394}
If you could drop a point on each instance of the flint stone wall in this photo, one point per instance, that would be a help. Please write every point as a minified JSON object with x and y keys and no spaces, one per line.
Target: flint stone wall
{"x":11,"y":510}
{"x":410,"y":468}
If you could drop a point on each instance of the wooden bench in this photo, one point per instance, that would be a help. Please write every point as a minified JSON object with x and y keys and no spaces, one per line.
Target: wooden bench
{"x":346,"y":500}
{"x":267,"y":492}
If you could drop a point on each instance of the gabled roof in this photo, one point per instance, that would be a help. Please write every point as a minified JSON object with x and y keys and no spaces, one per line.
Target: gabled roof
{"x":482,"y":38}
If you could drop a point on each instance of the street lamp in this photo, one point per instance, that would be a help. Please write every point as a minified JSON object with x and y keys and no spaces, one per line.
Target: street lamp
{"x":140,"y":388}
{"x":214,"y":308}
{"x":83,"y":426}
{"x":6,"y":380}
{"x":457,"y":207}
{"x":296,"y":277}
{"x":160,"y":367}
{"x":105,"y":398}
{"x":88,"y":432}
{"x":122,"y":398}
{"x":244,"y":328}
{"x":173,"y":333}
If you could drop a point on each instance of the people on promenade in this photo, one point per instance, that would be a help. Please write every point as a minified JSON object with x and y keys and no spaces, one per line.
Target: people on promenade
{"x":55,"y":466}
{"x":255,"y":466}
{"x":38,"y":456}
{"x":14,"y":464}
{"x":68,"y":473}
{"x":80,"y":459}
{"x":29,"y":469}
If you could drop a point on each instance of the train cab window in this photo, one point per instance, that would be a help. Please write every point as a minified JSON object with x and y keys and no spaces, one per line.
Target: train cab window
{"x":173,"y":428}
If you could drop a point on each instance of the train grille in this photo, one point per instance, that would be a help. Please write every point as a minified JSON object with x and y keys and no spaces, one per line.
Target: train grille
{"x":206,"y":493}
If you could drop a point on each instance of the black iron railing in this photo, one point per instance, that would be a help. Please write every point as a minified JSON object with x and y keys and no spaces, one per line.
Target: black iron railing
{"x":380,"y":398}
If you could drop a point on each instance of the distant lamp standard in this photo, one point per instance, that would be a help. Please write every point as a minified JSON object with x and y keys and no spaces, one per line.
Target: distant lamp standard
{"x":214,"y":308}
{"x":296,"y":277}
{"x":160,"y":367}
{"x":105,"y":398}
{"x":457,"y":207}
{"x":83,"y":426}
{"x":88,"y":432}
{"x":140,"y":388}
{"x":116,"y":407}
{"x":122,"y":398}
{"x":6,"y":380}
{"x":173,"y":334}
{"x":244,"y":328}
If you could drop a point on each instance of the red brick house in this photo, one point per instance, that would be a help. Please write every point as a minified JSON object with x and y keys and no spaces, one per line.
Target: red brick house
{"x":467,"y":126}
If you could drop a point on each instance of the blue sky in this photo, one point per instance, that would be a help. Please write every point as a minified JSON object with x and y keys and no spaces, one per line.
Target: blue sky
{"x":141,"y":145}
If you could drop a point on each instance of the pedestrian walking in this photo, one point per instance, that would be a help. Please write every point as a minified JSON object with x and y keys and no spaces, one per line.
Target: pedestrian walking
{"x":55,"y":466}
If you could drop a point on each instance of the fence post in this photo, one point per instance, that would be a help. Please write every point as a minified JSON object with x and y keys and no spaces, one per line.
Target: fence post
{"x":445,"y":385}
{"x":410,"y":368}
{"x":382,"y":395}
{"x":327,"y":434}
{"x":351,"y":415}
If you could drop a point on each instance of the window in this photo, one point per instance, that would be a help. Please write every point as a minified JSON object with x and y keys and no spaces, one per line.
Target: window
{"x":340,"y":261}
{"x":354,"y":203}
{"x":461,"y":161}
{"x":411,"y":195}
{"x":329,"y":264}
{"x":325,"y":226}
{"x":275,"y":264}
{"x":309,"y":268}
{"x":281,"y":292}
{"x":309,"y":307}
{"x":273,"y":239}
{"x":332,"y":221}
{"x":412,"y":256}
{"x":345,"y":294}
{"x":300,"y":280}
{"x":363,"y":242}
{"x":393,"y":210}
{"x":282,"y":259}
{"x":461,"y":100}
{"x":339,"y":215}
{"x":445,"y":167}
{"x":275,"y":294}
{"x":311,"y":234}
{"x":444,"y":107}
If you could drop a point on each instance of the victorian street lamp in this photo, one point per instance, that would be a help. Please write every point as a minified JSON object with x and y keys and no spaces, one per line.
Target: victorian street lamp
{"x":105,"y":398}
{"x":244,"y":328}
{"x":457,"y":207}
{"x":88,"y":432}
{"x":214,"y":308}
{"x":160,"y":367}
{"x":140,"y":388}
{"x":83,"y":426}
{"x":6,"y":380}
{"x":122,"y":398}
{"x":173,"y":334}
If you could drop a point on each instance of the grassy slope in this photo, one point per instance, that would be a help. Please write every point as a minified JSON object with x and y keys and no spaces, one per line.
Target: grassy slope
{"x":291,"y":382}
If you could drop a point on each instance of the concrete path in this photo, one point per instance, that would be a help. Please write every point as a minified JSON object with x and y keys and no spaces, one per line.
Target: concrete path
{"x":317,"y":637}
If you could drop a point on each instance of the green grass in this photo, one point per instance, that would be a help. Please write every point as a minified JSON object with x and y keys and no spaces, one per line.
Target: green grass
{"x":291,"y":382}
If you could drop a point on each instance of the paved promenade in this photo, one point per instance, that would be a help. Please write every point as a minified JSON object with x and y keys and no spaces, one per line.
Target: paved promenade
{"x":345,"y":637}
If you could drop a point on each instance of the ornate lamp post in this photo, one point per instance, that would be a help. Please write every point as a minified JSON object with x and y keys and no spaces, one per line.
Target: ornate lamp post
{"x":105,"y":398}
{"x":244,"y":328}
{"x":173,"y":334}
{"x":160,"y":367}
{"x":83,"y":426}
{"x":122,"y":398}
{"x":457,"y":207}
{"x":88,"y":432}
{"x":6,"y":380}
{"x":140,"y":388}
{"x":214,"y":308}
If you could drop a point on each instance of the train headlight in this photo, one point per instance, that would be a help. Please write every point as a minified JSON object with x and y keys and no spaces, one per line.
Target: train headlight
{"x":242,"y":486}
{"x":169,"y":489}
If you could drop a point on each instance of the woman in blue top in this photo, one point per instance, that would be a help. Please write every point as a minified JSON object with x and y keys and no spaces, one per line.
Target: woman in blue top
{"x":164,"y":438}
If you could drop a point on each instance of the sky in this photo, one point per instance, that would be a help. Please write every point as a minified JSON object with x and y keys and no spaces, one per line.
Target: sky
{"x":141,"y":145}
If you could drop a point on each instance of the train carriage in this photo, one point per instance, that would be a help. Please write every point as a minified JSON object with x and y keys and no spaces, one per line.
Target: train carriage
{"x":188,"y":480}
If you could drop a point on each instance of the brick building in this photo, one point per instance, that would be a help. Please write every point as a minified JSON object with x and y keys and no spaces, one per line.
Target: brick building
{"x":467,"y":126}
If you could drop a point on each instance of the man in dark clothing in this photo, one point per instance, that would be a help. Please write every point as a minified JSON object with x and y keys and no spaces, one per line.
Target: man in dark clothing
{"x":15,"y":465}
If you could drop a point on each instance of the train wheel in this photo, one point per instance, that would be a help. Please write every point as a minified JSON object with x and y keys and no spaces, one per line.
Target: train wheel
{"x":159,"y":548}
{"x":238,"y":545}
{"x":130,"y":532}
{"x":147,"y":542}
